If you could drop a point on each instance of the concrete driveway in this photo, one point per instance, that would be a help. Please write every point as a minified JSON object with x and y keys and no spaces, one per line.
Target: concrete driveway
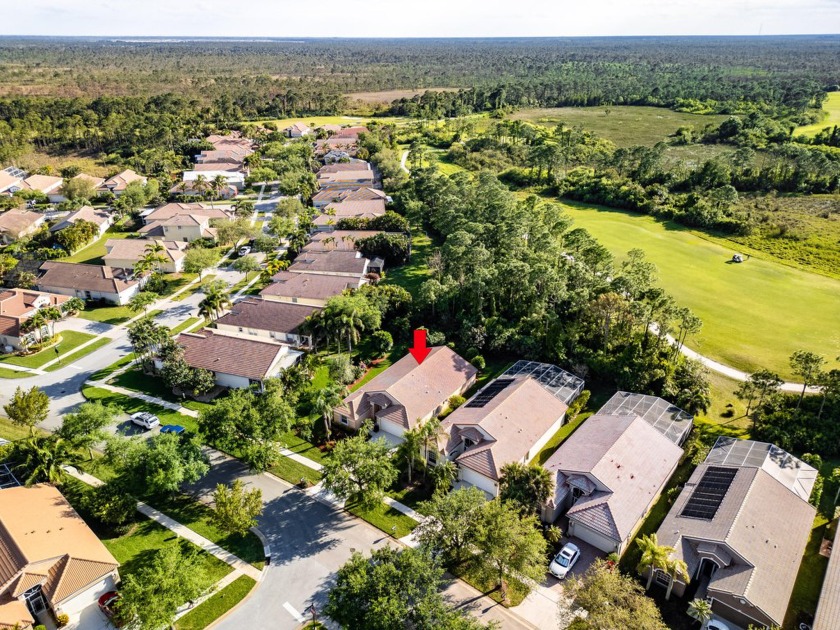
{"x":309,"y":541}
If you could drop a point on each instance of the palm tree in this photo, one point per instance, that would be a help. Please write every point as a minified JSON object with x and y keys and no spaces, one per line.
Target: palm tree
{"x":43,"y":459}
{"x":654,"y":556}
{"x":51,"y":314}
{"x":35,"y":324}
{"x":217,"y":185}
{"x":676,"y":568}
{"x":73,"y":305}
{"x":409,"y":449}
{"x":215,"y":300}
{"x":200,"y":185}
{"x":444,"y":474}
{"x":430,"y":432}
{"x":153,"y":254}
{"x":326,"y":400}
{"x":700,"y":609}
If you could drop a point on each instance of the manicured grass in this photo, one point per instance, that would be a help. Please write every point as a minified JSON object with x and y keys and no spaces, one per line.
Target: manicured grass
{"x":130,"y":405}
{"x":625,"y":125}
{"x":78,"y":355}
{"x":293,"y":472}
{"x":112,"y":314}
{"x":196,"y":516}
{"x":806,"y":589}
{"x":11,"y":431}
{"x":412,"y":275}
{"x":196,"y":287}
{"x":726,"y":410}
{"x":135,"y":380}
{"x":755,"y":314}
{"x":558,"y":438}
{"x":93,"y":253}
{"x":831,"y":107}
{"x":413,"y":496}
{"x":70,"y":339}
{"x":105,"y":372}
{"x":470,"y":572}
{"x":298,"y":445}
{"x":217,"y":605}
{"x":184,"y":325}
{"x":371,"y":374}
{"x":7,"y":373}
{"x":385,"y":517}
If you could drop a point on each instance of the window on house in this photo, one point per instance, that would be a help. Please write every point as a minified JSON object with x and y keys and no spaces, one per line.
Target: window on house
{"x":343,"y":419}
{"x":663,"y":578}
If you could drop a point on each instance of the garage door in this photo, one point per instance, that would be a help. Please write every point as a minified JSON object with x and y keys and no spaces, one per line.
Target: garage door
{"x":393,"y":428}
{"x":591,"y":536}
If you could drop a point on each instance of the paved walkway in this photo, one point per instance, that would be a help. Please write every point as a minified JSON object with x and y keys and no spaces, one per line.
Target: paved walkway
{"x":149,"y":399}
{"x":182,"y":530}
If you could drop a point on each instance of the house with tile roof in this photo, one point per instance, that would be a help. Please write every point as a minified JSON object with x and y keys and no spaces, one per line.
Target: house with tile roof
{"x":280,"y":321}
{"x":180,"y":227}
{"x":17,"y":224}
{"x":508,"y":421}
{"x":47,"y":184}
{"x":19,"y":305}
{"x":828,"y":609}
{"x":169,"y":210}
{"x":297,"y":130}
{"x":407,"y":394}
{"x":353,"y":175}
{"x":335,"y":212}
{"x":310,"y":289}
{"x":337,"y":240}
{"x":741,"y":525}
{"x":332,"y":263}
{"x":118,"y":183}
{"x":101,"y":218}
{"x":237,"y":360}
{"x":50,"y":560}
{"x":322,"y":198}
{"x":11,"y":179}
{"x":127,"y":252}
{"x":88,"y":282}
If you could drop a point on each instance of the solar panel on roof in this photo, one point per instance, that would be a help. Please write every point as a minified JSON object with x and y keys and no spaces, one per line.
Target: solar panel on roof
{"x":489,"y":393}
{"x":707,"y":496}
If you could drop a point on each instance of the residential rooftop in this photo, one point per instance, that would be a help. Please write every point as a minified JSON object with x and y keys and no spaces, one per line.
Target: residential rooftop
{"x":259,"y":314}
{"x":665,"y":417}
{"x":308,"y":286}
{"x":217,"y":351}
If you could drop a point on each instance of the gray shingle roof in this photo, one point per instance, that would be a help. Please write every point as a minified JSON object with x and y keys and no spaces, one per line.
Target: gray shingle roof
{"x":828,"y":611}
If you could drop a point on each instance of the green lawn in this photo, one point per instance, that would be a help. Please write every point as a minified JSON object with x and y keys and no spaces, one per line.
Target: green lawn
{"x":130,"y":405}
{"x":78,"y":355}
{"x":135,"y":380}
{"x":93,"y":253}
{"x":11,"y":431}
{"x":105,"y":372}
{"x":7,"y":373}
{"x":293,"y":472}
{"x":385,"y":517}
{"x":831,"y":107}
{"x":196,"y":516}
{"x":412,"y":275}
{"x":755,"y":314}
{"x":471,"y":573}
{"x":298,"y":445}
{"x":806,"y":590}
{"x":196,"y":287}
{"x":187,"y":323}
{"x":111,"y":314}
{"x":625,"y":125}
{"x":217,"y":605}
{"x":70,"y":339}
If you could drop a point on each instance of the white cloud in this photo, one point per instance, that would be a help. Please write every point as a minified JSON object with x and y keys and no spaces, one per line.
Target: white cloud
{"x":421,"y":18}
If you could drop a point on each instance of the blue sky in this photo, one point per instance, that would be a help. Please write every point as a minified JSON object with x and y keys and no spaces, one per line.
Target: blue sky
{"x":421,"y":18}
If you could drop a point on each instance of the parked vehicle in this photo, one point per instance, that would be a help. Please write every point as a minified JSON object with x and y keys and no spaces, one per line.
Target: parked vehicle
{"x":715,"y":624}
{"x":177,"y":429}
{"x":145,"y":419}
{"x":564,"y":561}
{"x":244,"y":250}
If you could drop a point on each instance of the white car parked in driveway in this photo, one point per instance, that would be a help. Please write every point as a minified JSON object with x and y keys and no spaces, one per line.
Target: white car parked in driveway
{"x":145,"y":419}
{"x":564,"y":561}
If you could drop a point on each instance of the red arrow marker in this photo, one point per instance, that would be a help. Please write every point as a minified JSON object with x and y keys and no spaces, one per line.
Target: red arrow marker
{"x":419,"y":351}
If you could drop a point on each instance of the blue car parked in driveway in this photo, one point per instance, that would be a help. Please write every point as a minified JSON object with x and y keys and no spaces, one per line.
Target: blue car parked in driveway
{"x":177,"y":429}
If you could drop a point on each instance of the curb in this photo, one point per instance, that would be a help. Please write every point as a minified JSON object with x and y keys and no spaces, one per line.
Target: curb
{"x":266,"y":546}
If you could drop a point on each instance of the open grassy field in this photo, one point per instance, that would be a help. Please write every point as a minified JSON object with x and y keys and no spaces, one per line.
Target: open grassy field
{"x":831,"y":107}
{"x":755,"y":314}
{"x":803,"y":231}
{"x":386,"y":97}
{"x":625,"y":126}
{"x":317,"y":121}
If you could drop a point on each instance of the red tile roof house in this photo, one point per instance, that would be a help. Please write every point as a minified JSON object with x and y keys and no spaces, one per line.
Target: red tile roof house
{"x":266,"y":319}
{"x":335,"y":263}
{"x":741,"y":524}
{"x":50,"y":560}
{"x":18,"y":305}
{"x":609,"y":473}
{"x":509,"y":420}
{"x":235,"y":360}
{"x":308,"y":288}
{"x":408,"y":394}
{"x":88,"y":282}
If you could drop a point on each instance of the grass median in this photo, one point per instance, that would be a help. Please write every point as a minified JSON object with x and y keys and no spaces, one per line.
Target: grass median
{"x":216,"y":605}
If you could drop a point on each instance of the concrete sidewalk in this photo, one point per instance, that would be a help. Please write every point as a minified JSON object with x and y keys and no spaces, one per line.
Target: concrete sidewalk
{"x":145,"y":397}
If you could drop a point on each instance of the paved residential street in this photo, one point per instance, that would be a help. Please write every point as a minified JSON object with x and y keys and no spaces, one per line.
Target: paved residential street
{"x":309,"y":541}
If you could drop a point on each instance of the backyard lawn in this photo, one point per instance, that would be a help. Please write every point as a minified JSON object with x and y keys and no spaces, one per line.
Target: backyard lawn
{"x":412,"y":275}
{"x":70,"y":339}
{"x":755,"y":314}
{"x":93,"y":253}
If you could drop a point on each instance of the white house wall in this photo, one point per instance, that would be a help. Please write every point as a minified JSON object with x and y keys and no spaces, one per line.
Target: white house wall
{"x":231,"y":380}
{"x":295,"y":300}
{"x":88,"y":597}
{"x":537,"y":447}
{"x":289,"y":338}
{"x":113,"y":298}
{"x":479,"y":481}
